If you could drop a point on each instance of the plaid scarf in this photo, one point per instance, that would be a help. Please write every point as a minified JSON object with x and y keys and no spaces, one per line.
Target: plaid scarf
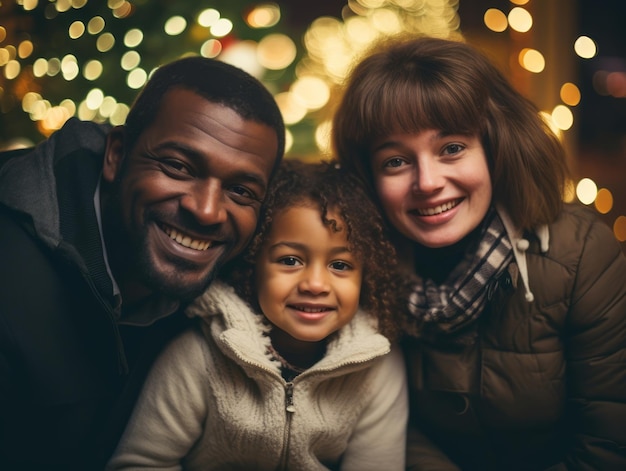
{"x":456,"y":303}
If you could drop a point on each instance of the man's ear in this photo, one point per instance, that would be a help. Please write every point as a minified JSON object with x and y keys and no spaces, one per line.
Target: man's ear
{"x":113,"y":154}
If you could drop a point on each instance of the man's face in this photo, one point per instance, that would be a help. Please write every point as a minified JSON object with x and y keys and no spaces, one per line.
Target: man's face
{"x":187,"y":196}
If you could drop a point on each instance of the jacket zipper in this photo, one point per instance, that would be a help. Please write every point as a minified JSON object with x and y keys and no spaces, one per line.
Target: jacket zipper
{"x":290,"y":410}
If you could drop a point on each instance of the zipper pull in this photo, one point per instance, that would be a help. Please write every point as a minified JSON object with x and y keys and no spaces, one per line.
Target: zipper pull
{"x":289,"y":398}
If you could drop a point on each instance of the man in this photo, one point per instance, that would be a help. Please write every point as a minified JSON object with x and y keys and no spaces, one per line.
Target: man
{"x":104,"y":237}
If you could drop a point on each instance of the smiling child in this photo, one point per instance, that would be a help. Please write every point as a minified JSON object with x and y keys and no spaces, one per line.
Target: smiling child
{"x":290,"y":365}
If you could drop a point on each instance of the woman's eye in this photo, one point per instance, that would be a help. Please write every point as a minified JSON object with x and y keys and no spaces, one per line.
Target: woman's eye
{"x":394,"y":162}
{"x":452,"y":149}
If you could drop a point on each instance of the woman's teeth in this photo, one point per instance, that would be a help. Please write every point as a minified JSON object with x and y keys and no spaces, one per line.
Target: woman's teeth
{"x":185,"y":240}
{"x":437,"y":209}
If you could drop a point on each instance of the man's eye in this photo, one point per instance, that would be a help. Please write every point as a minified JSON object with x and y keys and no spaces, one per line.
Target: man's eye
{"x":243,"y":195}
{"x":175,"y":166}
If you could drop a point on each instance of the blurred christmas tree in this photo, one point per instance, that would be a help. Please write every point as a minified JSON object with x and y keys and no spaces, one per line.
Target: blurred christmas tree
{"x":88,"y":58}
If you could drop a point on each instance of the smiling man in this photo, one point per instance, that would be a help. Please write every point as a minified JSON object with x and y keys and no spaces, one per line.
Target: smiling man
{"x":105,"y":235}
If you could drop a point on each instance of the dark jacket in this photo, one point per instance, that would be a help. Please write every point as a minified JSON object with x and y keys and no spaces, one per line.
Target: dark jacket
{"x":64,"y":361}
{"x":544,"y":387}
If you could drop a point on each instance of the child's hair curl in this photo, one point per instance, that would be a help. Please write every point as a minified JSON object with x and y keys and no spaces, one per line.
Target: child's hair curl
{"x":332,"y":189}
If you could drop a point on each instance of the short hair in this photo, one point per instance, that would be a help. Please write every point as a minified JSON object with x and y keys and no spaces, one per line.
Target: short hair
{"x":216,"y":81}
{"x":332,"y":190}
{"x":415,"y":84}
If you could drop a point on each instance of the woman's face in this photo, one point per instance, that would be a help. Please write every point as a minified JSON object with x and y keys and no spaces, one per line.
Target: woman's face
{"x":435,"y":188}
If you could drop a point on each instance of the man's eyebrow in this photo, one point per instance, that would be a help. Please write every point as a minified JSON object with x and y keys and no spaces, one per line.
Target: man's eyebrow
{"x":197,"y":156}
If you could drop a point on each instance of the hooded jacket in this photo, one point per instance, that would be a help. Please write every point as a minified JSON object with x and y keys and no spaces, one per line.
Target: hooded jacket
{"x":216,"y":401}
{"x":62,"y":359}
{"x":544,"y":385}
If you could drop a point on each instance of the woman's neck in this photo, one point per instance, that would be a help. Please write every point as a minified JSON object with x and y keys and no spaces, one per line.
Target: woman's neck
{"x":437,"y":263}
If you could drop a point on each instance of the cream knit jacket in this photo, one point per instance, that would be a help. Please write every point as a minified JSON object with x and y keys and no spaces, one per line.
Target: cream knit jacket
{"x":215,"y":401}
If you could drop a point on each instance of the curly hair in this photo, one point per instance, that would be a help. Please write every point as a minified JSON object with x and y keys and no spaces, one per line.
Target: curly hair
{"x":333,"y":190}
{"x":411,"y":84}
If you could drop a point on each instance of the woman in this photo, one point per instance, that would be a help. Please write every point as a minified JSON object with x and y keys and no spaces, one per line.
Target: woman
{"x":516,"y":324}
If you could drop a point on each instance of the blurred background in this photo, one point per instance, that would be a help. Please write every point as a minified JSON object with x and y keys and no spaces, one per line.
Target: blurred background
{"x":89,"y":58}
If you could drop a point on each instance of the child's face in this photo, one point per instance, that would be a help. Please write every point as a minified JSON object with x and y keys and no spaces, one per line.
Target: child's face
{"x":308,"y":282}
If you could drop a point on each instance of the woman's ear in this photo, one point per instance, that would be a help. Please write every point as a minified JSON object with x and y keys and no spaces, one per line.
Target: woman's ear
{"x":113,"y":154}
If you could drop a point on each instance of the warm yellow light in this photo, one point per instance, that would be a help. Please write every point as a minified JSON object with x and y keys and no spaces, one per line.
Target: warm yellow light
{"x":94,"y":99}
{"x":105,"y":42}
{"x":76,"y":30}
{"x":25,"y":49}
{"x":133,"y":37}
{"x":386,"y":21}
{"x":276,"y":51}
{"x":211,"y":48}
{"x":40,"y":67}
{"x":222,"y":27}
{"x":520,"y":20}
{"x":495,"y":20}
{"x":292,"y":111}
{"x":130,"y":60}
{"x":107,"y":107}
{"x":312,"y":92}
{"x":92,"y":70}
{"x":585,"y":47}
{"x":95,"y":25}
{"x":586,"y":191}
{"x":119,"y":114}
{"x":264,"y":15}
{"x":4,"y":56}
{"x":136,"y":78}
{"x":563,"y":117}
{"x":12,"y":69}
{"x":604,"y":201}
{"x":175,"y":25}
{"x":60,"y":5}
{"x":3,"y":33}
{"x":322,"y":137}
{"x":69,"y":67}
{"x":519,"y":2}
{"x":619,"y":228}
{"x":208,"y":17}
{"x":570,"y":94}
{"x":532,"y":60}
{"x":29,"y":4}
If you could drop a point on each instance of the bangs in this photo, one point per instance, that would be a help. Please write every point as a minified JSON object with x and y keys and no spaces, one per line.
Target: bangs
{"x":410,"y":104}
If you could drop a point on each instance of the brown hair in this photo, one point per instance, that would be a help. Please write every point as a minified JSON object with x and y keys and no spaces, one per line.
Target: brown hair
{"x":297,"y":183}
{"x":410,"y":85}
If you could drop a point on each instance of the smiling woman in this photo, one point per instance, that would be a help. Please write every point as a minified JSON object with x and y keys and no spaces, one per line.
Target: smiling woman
{"x":515,"y":334}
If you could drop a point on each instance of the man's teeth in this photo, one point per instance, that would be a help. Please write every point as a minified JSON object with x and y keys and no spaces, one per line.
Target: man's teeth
{"x":185,"y":240}
{"x":437,"y":209}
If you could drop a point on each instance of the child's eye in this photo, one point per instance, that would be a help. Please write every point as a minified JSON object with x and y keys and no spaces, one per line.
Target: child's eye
{"x":340,"y":266}
{"x":289,"y":261}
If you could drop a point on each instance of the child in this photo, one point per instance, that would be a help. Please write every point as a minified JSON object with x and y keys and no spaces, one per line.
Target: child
{"x":308,"y":384}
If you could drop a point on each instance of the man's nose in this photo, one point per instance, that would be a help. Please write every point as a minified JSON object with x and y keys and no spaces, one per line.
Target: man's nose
{"x":205,"y":201}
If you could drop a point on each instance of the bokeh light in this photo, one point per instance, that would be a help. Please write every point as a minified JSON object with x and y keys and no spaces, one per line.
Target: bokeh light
{"x":585,"y":47}
{"x":586,"y":191}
